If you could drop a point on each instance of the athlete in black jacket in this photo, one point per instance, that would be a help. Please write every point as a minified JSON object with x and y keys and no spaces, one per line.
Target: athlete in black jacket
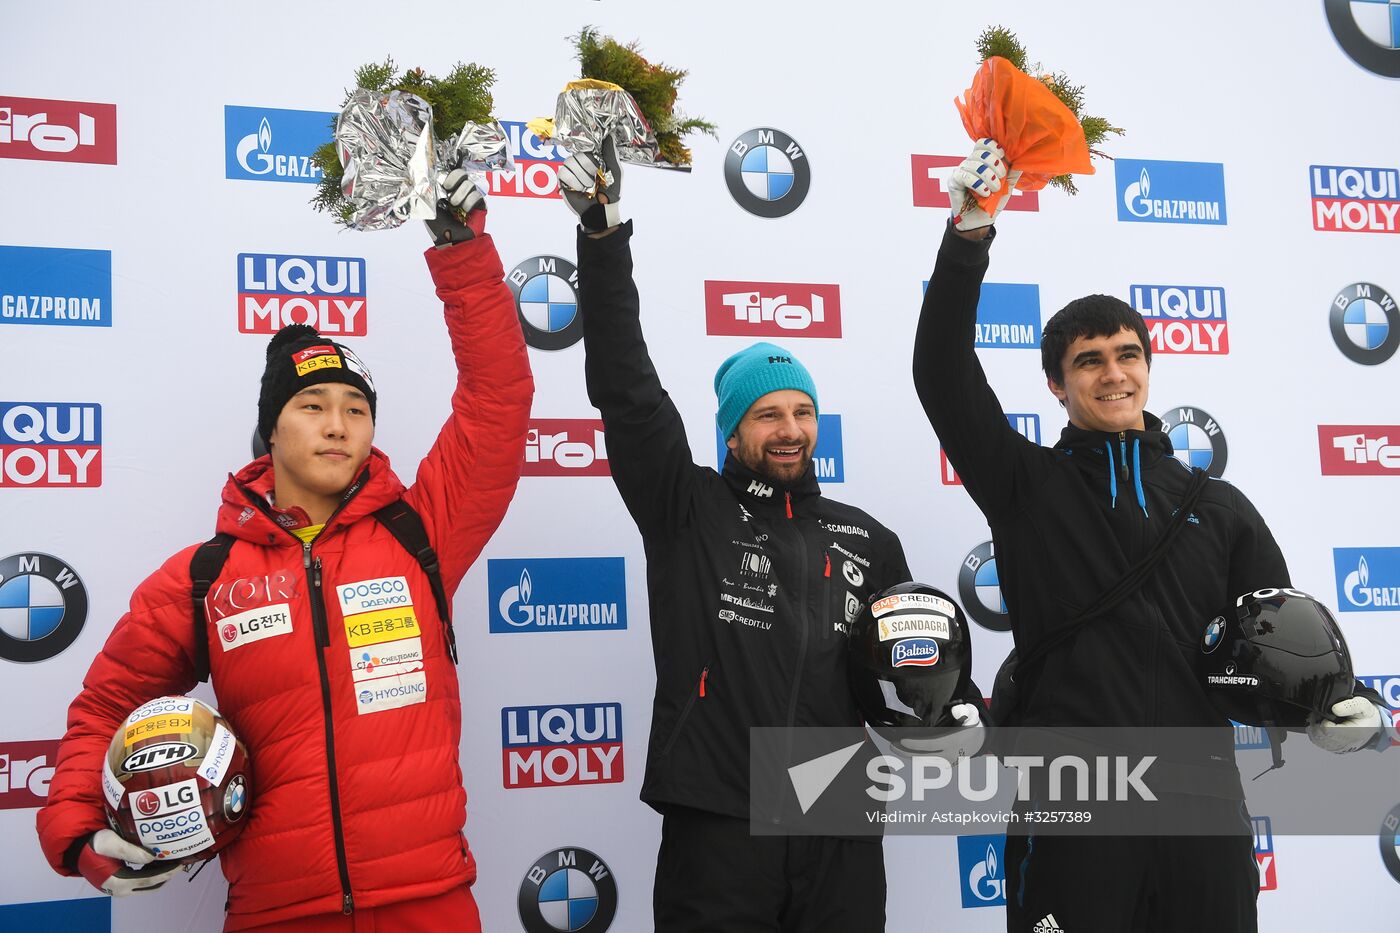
{"x":1066,"y":523}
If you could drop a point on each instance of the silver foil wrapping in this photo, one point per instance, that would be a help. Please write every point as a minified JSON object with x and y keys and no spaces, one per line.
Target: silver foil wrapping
{"x":584,"y":117}
{"x":385,"y":146}
{"x":479,"y":148}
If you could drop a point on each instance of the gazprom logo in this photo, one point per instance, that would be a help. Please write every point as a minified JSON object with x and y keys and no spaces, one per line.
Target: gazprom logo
{"x":40,"y":285}
{"x":1008,"y":316}
{"x":1368,"y":579}
{"x":981,"y":876}
{"x":1151,"y":191}
{"x":551,"y":594}
{"x":828,"y":463}
{"x":266,"y":144}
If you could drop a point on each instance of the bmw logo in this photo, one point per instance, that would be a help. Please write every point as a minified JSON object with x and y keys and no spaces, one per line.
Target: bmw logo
{"x":979,"y":588}
{"x":1197,"y":439}
{"x":43,"y":605}
{"x":546,"y":298}
{"x":1390,"y":844}
{"x":1365,"y":322}
{"x":1215,"y":633}
{"x":1369,"y":32}
{"x":570,"y":890}
{"x":767,"y":172}
{"x":235,"y":798}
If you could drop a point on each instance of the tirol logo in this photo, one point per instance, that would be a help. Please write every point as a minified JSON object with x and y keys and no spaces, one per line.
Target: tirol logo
{"x":1390,"y":842}
{"x":772,"y":309}
{"x":1359,"y":449}
{"x":327,"y":292}
{"x":536,"y":173}
{"x":981,"y":875}
{"x":931,"y":184}
{"x":1150,"y":191}
{"x":1365,"y":323}
{"x":1369,"y":32}
{"x":25,"y":771}
{"x":828,"y":462}
{"x":1183,"y":318}
{"x":767,"y":172}
{"x":556,"y":746}
{"x":568,"y":889}
{"x":1368,"y":578}
{"x":565,"y":447}
{"x":58,"y":130}
{"x":914,"y":652}
{"x":50,"y":444}
{"x":1358,"y":200}
{"x":1197,"y":439}
{"x":1264,"y":852}
{"x":266,"y":144}
{"x":43,"y":605}
{"x":65,"y":287}
{"x":546,"y":299}
{"x":1024,"y":423}
{"x":556,"y":594}
{"x":979,"y":587}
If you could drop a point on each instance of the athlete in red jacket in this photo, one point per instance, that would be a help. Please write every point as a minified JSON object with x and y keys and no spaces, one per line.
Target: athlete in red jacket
{"x":359,"y":802}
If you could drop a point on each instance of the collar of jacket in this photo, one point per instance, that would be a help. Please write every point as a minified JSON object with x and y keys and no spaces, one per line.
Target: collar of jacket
{"x":1119,"y":457}
{"x":758,"y":493}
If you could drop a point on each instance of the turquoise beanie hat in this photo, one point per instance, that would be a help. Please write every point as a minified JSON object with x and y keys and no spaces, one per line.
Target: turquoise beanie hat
{"x":752,"y":373}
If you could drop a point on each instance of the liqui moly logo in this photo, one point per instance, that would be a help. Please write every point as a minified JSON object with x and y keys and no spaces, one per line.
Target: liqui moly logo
{"x":1356,"y":200}
{"x":1359,"y":449}
{"x":327,"y":292}
{"x":1183,"y":318}
{"x":1388,"y":686}
{"x":565,"y":447}
{"x":772,"y":309}
{"x":931,"y":184}
{"x":25,"y":771}
{"x":557,"y":746}
{"x":1264,"y":853}
{"x":50,"y":444}
{"x":536,"y":173}
{"x":58,"y":130}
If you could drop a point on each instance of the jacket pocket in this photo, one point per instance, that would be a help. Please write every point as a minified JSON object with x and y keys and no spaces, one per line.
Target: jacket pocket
{"x":696,"y":693}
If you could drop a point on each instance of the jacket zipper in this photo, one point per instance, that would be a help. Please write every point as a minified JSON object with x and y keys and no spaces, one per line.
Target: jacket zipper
{"x":1123,"y":455}
{"x":826,"y":597}
{"x":803,"y":627}
{"x":699,"y":693}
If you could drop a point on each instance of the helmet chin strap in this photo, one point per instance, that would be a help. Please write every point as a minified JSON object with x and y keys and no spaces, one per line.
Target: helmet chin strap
{"x":1276,"y":734}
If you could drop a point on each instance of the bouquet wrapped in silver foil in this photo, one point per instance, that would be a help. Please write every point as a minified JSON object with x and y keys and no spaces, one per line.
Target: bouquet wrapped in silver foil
{"x":589,"y":111}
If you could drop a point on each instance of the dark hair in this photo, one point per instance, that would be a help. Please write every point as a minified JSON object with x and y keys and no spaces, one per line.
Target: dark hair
{"x":1090,"y":316}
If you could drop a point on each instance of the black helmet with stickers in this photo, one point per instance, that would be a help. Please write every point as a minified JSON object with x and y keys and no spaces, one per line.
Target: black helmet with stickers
{"x":910,"y":661}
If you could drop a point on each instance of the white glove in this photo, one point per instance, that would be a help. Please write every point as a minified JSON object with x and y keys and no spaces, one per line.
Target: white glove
{"x":965,"y":741}
{"x":106,"y":863}
{"x":461,"y":198}
{"x":583,"y":177}
{"x":982,"y":173}
{"x":1358,"y":726}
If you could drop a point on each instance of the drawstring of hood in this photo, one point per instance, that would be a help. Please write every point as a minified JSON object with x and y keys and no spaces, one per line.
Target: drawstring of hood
{"x":1137,"y":476}
{"x":1112,"y":477}
{"x":1136,"y":471}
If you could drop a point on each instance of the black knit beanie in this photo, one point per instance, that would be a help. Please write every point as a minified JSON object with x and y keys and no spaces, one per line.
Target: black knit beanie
{"x":297,"y":357}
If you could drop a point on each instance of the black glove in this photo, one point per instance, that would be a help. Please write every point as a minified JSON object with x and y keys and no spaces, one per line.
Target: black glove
{"x":461,"y":211}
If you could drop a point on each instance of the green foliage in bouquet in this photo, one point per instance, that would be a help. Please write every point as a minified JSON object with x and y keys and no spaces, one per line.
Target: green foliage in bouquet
{"x":461,"y":97}
{"x":998,"y":40}
{"x":652,"y":86}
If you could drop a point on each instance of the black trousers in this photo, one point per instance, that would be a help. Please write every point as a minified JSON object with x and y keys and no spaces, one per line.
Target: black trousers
{"x":712,"y":876}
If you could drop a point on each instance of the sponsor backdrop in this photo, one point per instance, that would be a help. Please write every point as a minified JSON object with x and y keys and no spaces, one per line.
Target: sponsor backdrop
{"x":156,"y":229}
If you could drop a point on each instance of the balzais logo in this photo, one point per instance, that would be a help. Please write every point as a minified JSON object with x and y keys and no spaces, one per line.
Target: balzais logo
{"x":767,"y":172}
{"x":1264,"y":852}
{"x":1183,"y":318}
{"x":43,"y":605}
{"x":25,"y":771}
{"x":266,"y":144}
{"x":1365,"y":323}
{"x":828,"y":461}
{"x":1150,"y":191}
{"x":1358,"y":200}
{"x":50,"y":444}
{"x":931,"y":184}
{"x":565,"y":447}
{"x":981,"y":870}
{"x":556,"y":746}
{"x":556,"y":594}
{"x":1359,"y":449}
{"x":1369,"y":32}
{"x":58,"y":130}
{"x":1197,"y":439}
{"x":1025,"y":424}
{"x":536,"y":173}
{"x":39,"y":285}
{"x":327,"y":292}
{"x":1368,"y":578}
{"x":772,"y":309}
{"x":979,"y":587}
{"x":568,"y":889}
{"x":546,"y":299}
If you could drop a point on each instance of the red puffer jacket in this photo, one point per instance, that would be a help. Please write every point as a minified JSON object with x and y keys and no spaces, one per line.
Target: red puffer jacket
{"x":352,"y":719}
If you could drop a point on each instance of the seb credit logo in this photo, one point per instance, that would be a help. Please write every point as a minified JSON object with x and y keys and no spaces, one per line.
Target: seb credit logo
{"x":1359,"y":449}
{"x":558,"y":746}
{"x":65,"y":287}
{"x":931,"y":184}
{"x":265,"y":144}
{"x":58,"y":130}
{"x":1359,"y":200}
{"x":537,"y":163}
{"x":556,"y":594}
{"x":25,"y":771}
{"x":772,"y":309}
{"x":50,"y":444}
{"x":327,"y":292}
{"x":1183,"y":318}
{"x":565,"y":447}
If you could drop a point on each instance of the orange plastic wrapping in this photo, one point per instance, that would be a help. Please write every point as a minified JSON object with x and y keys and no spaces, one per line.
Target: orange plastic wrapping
{"x":1039,"y":134}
